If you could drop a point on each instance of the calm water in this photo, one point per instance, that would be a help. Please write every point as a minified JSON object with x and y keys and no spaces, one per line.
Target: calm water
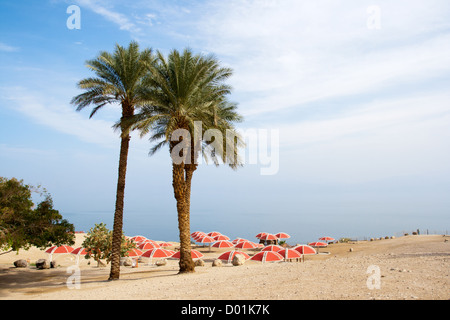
{"x":302,"y":228}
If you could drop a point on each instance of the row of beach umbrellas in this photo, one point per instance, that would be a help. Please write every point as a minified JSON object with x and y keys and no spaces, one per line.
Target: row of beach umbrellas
{"x":151,"y":249}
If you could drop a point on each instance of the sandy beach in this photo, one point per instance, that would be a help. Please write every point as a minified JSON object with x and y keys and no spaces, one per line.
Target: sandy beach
{"x":414,"y":267}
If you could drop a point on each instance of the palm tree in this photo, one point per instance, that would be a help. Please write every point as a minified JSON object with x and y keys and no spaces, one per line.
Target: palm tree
{"x":185,"y":90}
{"x":118,"y":81}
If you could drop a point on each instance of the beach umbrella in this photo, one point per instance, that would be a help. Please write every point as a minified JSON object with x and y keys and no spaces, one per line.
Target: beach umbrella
{"x":326,"y":239}
{"x":58,"y":250}
{"x":80,"y":251}
{"x":272,"y":248}
{"x":171,"y":252}
{"x":138,"y":239}
{"x":157,"y":253}
{"x":223,"y":244}
{"x":197,"y":233}
{"x":259,"y":235}
{"x":318,"y":245}
{"x":305,"y":249}
{"x":221,"y":237}
{"x":237,"y":240}
{"x":134,"y":253}
{"x":148,"y":245}
{"x":214,"y":233}
{"x":267,"y":256}
{"x":246,"y":245}
{"x":282,"y":235}
{"x":206,"y":239}
{"x":194,"y":254}
{"x":229,"y":255}
{"x":166,"y":244}
{"x":268,"y":236}
{"x":289,"y":254}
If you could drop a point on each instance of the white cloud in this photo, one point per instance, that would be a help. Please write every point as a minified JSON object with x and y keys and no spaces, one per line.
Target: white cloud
{"x":7,"y":48}
{"x":120,"y":19}
{"x":288,"y":53}
{"x":380,"y":140}
{"x":59,"y":116}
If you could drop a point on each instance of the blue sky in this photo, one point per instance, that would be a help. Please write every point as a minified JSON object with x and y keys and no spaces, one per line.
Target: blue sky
{"x":363,"y":113}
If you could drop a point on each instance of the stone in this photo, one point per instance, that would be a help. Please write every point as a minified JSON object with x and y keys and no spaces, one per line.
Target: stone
{"x":238,"y":260}
{"x":199,"y":263}
{"x":217,"y":263}
{"x":161,"y":262}
{"x":126,"y":261}
{"x":42,"y":264}
{"x":21,"y":263}
{"x":350,"y":250}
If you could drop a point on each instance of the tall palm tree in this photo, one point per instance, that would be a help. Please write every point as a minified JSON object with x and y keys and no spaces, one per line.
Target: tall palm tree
{"x":186,"y":89}
{"x":118,"y":81}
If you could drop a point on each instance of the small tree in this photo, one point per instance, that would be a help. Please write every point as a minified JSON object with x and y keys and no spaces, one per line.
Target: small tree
{"x":23,"y":226}
{"x":98,"y":244}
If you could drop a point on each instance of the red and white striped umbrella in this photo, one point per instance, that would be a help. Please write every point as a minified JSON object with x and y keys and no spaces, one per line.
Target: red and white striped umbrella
{"x":166,"y":244}
{"x":246,"y":245}
{"x":194,"y":254}
{"x":237,"y":240}
{"x":198,"y":233}
{"x":157,"y":253}
{"x":229,"y":255}
{"x":148,"y":245}
{"x":282,"y":235}
{"x":138,"y":239}
{"x":326,"y":239}
{"x":134,"y":253}
{"x":269,"y":236}
{"x":220,"y":237}
{"x":79,"y":251}
{"x":289,"y":253}
{"x":223,"y":244}
{"x":214,"y":233}
{"x":317,"y":244}
{"x":206,"y":239}
{"x":305,"y":249}
{"x":272,"y":248}
{"x":267,"y":256}
{"x":60,"y":249}
{"x":259,"y":235}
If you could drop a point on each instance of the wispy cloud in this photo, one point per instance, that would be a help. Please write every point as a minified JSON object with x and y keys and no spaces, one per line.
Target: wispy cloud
{"x":59,"y":116}
{"x":7,"y":48}
{"x":289,"y":53}
{"x":119,"y":19}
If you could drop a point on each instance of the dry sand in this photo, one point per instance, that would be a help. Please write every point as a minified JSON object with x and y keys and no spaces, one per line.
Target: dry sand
{"x":411,"y":267}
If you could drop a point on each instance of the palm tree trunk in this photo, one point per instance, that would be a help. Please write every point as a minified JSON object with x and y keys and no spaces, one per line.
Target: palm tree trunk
{"x":118,"y":214}
{"x":179,"y":187}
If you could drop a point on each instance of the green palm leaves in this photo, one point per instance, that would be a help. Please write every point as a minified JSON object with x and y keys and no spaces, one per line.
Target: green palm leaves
{"x":186,"y":89}
{"x":179,"y":100}
{"x":118,"y":81}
